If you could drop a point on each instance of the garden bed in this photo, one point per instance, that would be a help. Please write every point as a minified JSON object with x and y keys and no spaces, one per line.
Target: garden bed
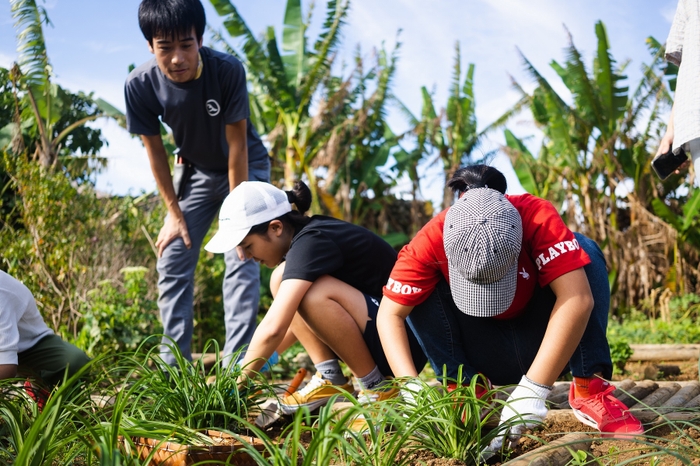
{"x":669,"y":407}
{"x":224,"y":449}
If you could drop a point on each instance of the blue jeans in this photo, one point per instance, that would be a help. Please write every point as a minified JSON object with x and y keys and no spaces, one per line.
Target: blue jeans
{"x":503,"y":350}
{"x":203,"y":195}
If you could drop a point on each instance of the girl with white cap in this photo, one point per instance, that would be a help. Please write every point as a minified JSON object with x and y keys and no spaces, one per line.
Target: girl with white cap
{"x":326,"y":289}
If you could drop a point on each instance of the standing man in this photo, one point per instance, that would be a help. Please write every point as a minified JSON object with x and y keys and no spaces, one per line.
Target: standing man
{"x":201,"y":95}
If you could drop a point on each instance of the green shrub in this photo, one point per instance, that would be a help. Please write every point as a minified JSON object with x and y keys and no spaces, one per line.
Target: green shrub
{"x":636,"y":327}
{"x":118,"y":317}
{"x":620,"y":352}
{"x":62,"y":240}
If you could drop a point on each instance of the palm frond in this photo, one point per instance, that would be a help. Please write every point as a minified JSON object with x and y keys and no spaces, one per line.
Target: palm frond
{"x":324,"y":50}
{"x":294,"y":43}
{"x":542,"y":82}
{"x":575,"y":77}
{"x":222,"y":43}
{"x":614,"y":98}
{"x":31,"y":47}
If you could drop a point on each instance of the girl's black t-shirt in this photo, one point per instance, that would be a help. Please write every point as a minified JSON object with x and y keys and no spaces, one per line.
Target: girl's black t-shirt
{"x":350,"y":253}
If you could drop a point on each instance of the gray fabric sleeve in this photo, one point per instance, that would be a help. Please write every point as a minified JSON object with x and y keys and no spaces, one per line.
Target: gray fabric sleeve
{"x":235,"y":93}
{"x":140,"y":116}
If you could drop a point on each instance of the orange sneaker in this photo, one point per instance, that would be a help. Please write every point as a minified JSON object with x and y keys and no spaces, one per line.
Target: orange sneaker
{"x":315,"y":394}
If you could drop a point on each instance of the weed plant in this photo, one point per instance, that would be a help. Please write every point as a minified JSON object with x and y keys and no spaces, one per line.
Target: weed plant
{"x":33,"y":437}
{"x":317,"y":440}
{"x":387,"y":439}
{"x":679,"y":325}
{"x":452,"y":424}
{"x":187,"y":394}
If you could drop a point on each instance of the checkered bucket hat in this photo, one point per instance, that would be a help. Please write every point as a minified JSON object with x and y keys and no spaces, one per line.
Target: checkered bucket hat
{"x":483,"y":236}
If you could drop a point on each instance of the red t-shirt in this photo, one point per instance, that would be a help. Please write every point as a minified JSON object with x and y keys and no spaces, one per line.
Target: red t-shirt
{"x":549,"y":250}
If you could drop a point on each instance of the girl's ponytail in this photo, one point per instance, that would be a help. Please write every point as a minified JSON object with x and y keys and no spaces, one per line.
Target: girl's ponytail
{"x":300,"y":196}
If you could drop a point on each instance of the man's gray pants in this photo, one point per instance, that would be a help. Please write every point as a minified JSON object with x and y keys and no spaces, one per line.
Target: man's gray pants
{"x":203,"y":195}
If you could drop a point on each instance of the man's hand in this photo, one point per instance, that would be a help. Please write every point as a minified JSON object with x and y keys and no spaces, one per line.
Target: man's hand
{"x":666,"y":143}
{"x":524,"y":409}
{"x":174,"y":228}
{"x":8,"y":371}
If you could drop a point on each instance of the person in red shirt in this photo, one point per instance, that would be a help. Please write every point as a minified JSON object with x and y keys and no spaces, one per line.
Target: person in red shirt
{"x":498,"y":285}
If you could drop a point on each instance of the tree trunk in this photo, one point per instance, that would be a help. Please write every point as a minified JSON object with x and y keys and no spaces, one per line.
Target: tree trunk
{"x":448,"y":195}
{"x":668,"y":352}
{"x":290,"y":167}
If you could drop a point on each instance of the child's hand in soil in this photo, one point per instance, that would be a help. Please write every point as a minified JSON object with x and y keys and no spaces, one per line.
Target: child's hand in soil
{"x":524,"y":409}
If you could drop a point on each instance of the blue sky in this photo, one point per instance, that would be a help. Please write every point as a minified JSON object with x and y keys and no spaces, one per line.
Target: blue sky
{"x":92,"y":43}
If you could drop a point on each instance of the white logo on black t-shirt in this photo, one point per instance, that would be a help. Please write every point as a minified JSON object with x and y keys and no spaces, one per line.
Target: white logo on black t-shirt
{"x":213,"y":107}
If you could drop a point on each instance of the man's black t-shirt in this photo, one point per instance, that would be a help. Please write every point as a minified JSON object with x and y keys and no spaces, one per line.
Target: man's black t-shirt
{"x":197,"y":111}
{"x":350,"y":253}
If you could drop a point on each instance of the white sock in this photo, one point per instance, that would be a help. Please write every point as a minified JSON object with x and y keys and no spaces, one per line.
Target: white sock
{"x":330,"y":370}
{"x":371,"y":381}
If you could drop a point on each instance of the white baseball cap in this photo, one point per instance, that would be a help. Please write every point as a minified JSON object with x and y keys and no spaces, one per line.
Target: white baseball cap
{"x":250,"y":203}
{"x":482,"y":236}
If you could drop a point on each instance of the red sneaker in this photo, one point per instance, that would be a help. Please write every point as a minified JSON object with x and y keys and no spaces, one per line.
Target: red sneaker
{"x":482,"y":390}
{"x":604,"y":412}
{"x":38,"y":394}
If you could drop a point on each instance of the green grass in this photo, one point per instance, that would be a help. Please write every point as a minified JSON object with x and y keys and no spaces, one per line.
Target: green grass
{"x":682,"y":325}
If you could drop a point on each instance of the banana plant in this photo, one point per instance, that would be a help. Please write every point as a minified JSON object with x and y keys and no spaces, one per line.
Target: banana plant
{"x":286,"y":79}
{"x":598,"y":143}
{"x":339,"y":143}
{"x":451,"y":134}
{"x":361,"y":141}
{"x":53,"y":118}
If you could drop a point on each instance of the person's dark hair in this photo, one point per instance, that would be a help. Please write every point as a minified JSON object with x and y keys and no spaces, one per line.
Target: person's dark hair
{"x":167,"y":18}
{"x":477,"y":176}
{"x":300,"y":196}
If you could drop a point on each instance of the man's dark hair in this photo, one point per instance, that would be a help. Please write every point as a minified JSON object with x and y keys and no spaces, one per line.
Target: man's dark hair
{"x":168,"y":18}
{"x":477,"y":176}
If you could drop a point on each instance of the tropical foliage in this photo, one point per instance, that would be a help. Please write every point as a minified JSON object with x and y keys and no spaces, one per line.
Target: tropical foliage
{"x":325,"y":126}
{"x":452,"y":135}
{"x":48,"y":121}
{"x":326,"y":121}
{"x":593,"y":164}
{"x":63,"y":240}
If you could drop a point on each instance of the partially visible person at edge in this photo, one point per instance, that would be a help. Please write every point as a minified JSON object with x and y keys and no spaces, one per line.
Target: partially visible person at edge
{"x":683,"y":49}
{"x":326,"y":290}
{"x":28,"y":347}
{"x":201,"y":95}
{"x":499,"y":285}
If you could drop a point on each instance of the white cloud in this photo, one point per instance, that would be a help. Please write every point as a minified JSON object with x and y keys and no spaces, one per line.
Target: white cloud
{"x":111,"y":90}
{"x":6,"y":60}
